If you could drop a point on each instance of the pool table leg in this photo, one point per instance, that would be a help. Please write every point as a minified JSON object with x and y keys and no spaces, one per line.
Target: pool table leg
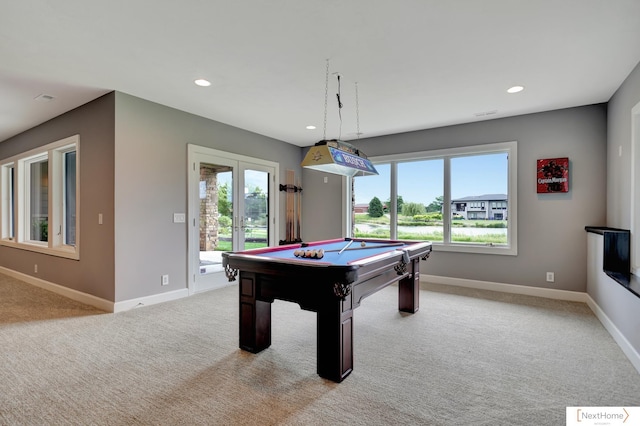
{"x":335,"y":339}
{"x":255,"y":316}
{"x":409,"y":289}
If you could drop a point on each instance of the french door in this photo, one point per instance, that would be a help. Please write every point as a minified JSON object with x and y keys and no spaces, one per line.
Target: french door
{"x":232,"y":201}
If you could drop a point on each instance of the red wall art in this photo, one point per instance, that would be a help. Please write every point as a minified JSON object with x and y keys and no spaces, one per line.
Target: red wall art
{"x":553,"y":175}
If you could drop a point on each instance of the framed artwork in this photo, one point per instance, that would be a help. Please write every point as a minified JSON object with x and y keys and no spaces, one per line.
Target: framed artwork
{"x":553,"y":175}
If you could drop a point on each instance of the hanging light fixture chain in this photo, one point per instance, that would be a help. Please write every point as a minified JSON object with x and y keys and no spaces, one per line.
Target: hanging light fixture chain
{"x":339,"y":109}
{"x":326,"y":98}
{"x":357,"y":113}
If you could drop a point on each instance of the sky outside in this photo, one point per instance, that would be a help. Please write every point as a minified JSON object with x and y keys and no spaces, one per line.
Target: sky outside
{"x":422,"y":181}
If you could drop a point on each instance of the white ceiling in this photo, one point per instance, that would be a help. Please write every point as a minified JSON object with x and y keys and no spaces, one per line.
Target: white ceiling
{"x":418,"y":64}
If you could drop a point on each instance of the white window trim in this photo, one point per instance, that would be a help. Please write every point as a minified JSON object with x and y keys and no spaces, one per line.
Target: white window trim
{"x":55,"y":246}
{"x":511,"y":248}
{"x":5,"y":204}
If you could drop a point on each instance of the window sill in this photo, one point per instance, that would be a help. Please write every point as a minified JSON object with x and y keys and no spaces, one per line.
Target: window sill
{"x":629,"y":281}
{"x":67,"y":252}
{"x":473,"y":248}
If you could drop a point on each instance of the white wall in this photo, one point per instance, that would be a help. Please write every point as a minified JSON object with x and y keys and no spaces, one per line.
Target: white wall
{"x":617,"y":308}
{"x":551,"y":232}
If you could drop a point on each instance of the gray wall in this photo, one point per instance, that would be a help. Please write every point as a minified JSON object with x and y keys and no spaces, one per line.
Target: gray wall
{"x":94,"y":272}
{"x":133,"y":171}
{"x":321,"y":205}
{"x":551,"y":234}
{"x":619,"y":135}
{"x":619,"y":203}
{"x":151,"y":184}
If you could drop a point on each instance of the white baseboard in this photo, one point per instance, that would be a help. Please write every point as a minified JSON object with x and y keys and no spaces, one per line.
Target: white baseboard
{"x":125,"y":305}
{"x":549,"y":293}
{"x":91,"y":300}
{"x":631,"y":353}
{"x":78,"y":296}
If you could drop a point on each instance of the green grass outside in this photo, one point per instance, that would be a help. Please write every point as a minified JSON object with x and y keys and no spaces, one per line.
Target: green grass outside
{"x":383,"y":232}
{"x":226,"y":245}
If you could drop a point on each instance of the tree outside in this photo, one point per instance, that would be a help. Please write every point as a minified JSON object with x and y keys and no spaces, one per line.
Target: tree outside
{"x":375,"y":207}
{"x":436,"y":205}
{"x":413,"y":209}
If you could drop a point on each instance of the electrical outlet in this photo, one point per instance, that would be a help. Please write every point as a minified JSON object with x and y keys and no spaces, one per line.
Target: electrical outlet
{"x":165,"y":280}
{"x":35,"y":268}
{"x":550,"y":277}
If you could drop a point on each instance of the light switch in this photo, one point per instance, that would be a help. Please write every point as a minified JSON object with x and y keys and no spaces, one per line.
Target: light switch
{"x":179,"y":218}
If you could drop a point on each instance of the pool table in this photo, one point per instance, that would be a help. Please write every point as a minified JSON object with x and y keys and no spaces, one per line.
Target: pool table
{"x":333,"y":286}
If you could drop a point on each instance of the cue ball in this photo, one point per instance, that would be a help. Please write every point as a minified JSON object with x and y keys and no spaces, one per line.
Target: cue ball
{"x":320,"y":254}
{"x":362,"y":244}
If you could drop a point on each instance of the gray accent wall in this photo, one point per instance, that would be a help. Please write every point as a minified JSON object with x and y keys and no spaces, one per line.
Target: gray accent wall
{"x":133,"y":171}
{"x":93,"y":273}
{"x":151,"y":184}
{"x":619,"y":166}
{"x":321,"y":205}
{"x":551,"y":236}
{"x":621,"y":307}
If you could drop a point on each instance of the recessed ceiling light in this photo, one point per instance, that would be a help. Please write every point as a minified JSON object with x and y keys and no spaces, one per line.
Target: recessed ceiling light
{"x":515,"y":89}
{"x":202,"y":82}
{"x":311,"y":127}
{"x":44,"y":98}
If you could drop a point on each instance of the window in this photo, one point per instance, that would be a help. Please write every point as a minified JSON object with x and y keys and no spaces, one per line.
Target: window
{"x":462,"y":199}
{"x":8,"y":201}
{"x":37,"y":182}
{"x":39,"y":209}
{"x":372,"y":221}
{"x":69,"y":205}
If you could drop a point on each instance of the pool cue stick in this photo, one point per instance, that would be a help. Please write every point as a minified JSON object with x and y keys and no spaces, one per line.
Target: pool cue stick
{"x":289,"y":205}
{"x":364,"y":248}
{"x":343,"y":248}
{"x":299,"y":195}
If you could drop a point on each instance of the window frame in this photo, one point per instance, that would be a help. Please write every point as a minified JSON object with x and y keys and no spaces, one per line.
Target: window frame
{"x":54,"y":154}
{"x":7,"y":204}
{"x":25,"y":202}
{"x":511,"y":148}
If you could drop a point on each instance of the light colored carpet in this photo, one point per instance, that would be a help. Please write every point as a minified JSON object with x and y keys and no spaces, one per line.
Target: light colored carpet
{"x":468,"y":357}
